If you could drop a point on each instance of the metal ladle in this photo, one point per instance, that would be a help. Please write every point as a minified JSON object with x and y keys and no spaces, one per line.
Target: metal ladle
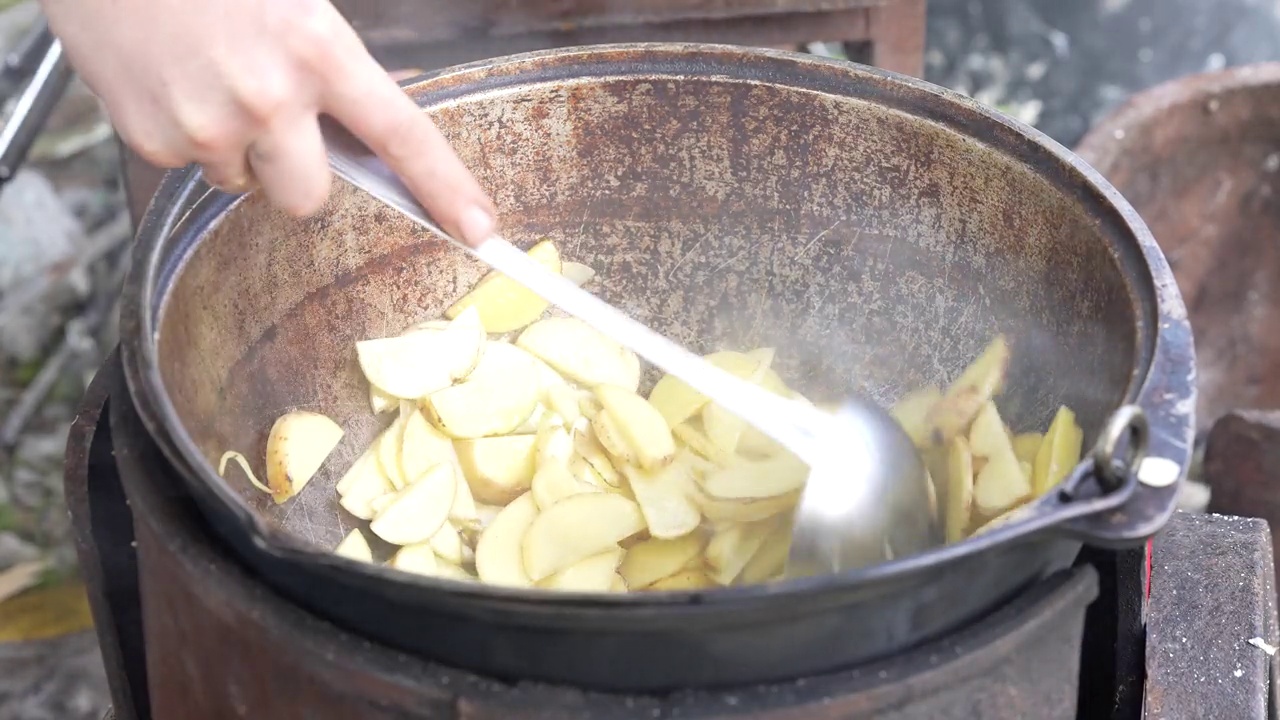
{"x":867,"y":496}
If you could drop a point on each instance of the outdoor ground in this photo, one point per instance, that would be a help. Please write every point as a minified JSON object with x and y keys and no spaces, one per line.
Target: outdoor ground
{"x":1060,"y":65}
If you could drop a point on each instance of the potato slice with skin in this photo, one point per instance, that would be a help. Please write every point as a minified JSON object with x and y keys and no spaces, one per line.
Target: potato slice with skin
{"x":987,"y":436}
{"x":418,"y":510}
{"x":651,"y":560}
{"x":421,"y":362}
{"x":555,"y":447}
{"x":422,"y":446}
{"x":578,"y":527}
{"x":981,"y":381}
{"x":1027,"y":445}
{"x":499,"y":469}
{"x":732,"y":547}
{"x":756,"y":479}
{"x":580,"y":353}
{"x":699,"y":443}
{"x":724,"y":429}
{"x":639,"y":423}
{"x":959,"y":500}
{"x":611,"y":439}
{"x":665,"y":497}
{"x":684,"y":580}
{"x":504,"y":304}
{"x":588,"y":446}
{"x":593,"y":574}
{"x":299,"y":443}
{"x":912,"y":413}
{"x":418,"y":558}
{"x":500,"y":551}
{"x":1059,"y":453}
{"x":494,"y":400}
{"x":355,"y":546}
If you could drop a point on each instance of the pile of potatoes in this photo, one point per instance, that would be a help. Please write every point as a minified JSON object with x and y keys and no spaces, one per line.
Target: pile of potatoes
{"x":522,"y":455}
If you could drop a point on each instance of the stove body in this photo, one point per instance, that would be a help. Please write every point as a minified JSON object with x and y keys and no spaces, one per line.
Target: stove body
{"x":188,"y":633}
{"x":428,"y":34}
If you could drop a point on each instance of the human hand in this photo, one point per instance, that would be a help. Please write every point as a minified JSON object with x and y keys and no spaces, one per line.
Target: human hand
{"x":238,"y":85}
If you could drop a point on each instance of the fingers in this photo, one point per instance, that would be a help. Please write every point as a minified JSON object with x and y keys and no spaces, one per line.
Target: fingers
{"x":290,"y":164}
{"x":230,"y":174}
{"x":369,"y":103}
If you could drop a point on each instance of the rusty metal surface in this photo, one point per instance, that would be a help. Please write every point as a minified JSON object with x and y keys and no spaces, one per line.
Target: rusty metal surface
{"x":103,"y":532}
{"x":880,"y":231}
{"x":1242,"y":465}
{"x":222,"y":645}
{"x":1212,"y":590}
{"x":1199,"y":158}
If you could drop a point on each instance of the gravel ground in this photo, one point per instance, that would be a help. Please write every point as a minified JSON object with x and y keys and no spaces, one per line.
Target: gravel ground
{"x":1058,"y":65}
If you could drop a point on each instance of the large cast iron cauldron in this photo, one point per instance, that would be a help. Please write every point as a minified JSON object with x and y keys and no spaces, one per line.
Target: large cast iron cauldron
{"x":876,"y":229}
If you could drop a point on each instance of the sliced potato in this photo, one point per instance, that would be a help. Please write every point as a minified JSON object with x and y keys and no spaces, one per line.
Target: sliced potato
{"x":665,"y":497}
{"x":769,"y":562}
{"x":355,"y":546}
{"x":565,"y":402}
{"x":418,"y":510}
{"x":582,"y":354}
{"x":640,"y":424}
{"x":553,"y":483}
{"x":698,"y":441}
{"x":422,"y":446}
{"x":390,"y":444}
{"x":732,"y":547}
{"x":981,"y":381}
{"x":504,"y":304}
{"x":382,"y":503}
{"x":450,"y":571}
{"x":677,"y":401}
{"x":592,"y":574}
{"x":380,"y":400}
{"x":718,"y":510}
{"x":723,"y":428}
{"x":578,"y":527}
{"x":577,"y":273}
{"x":959,"y":496}
{"x":499,"y":552}
{"x":463,"y":511}
{"x":447,"y":544}
{"x":651,"y":560}
{"x":1027,"y":445}
{"x":555,"y":447}
{"x":421,"y":362}
{"x":588,"y":446}
{"x":364,"y":472}
{"x":297,"y":446}
{"x":495,"y":399}
{"x":499,"y":469}
{"x":912,"y":413}
{"x":1000,"y":485}
{"x":987,"y":436}
{"x":1059,"y":452}
{"x":609,"y":434}
{"x":418,"y":558}
{"x":756,"y":479}
{"x":618,"y":585}
{"x":683,"y":581}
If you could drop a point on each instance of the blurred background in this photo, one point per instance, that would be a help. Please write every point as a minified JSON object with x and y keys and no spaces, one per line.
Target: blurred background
{"x":65,"y":229}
